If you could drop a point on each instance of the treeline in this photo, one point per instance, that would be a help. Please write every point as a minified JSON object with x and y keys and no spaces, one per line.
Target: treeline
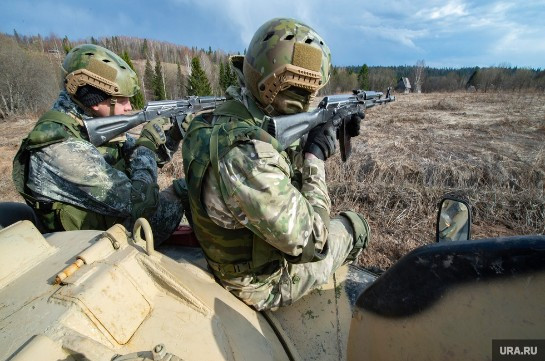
{"x":165,"y":70}
{"x":169,"y":71}
{"x":500,"y":78}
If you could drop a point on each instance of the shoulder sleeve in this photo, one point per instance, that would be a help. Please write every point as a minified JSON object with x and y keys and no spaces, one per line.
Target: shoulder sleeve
{"x":45,"y":133}
{"x":258,"y":191}
{"x":74,"y":171}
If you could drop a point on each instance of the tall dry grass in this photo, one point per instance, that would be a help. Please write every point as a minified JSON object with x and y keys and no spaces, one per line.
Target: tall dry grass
{"x":487,"y":147}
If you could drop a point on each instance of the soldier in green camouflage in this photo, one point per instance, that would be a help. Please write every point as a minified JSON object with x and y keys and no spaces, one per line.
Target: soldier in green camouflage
{"x":261,"y":214}
{"x":73,"y":185}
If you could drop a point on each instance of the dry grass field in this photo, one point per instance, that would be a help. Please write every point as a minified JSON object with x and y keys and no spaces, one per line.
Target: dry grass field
{"x":488,"y":147}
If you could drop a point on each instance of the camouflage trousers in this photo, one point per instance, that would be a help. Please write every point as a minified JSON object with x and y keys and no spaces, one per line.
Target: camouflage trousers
{"x":293,"y":281}
{"x":167,"y":216}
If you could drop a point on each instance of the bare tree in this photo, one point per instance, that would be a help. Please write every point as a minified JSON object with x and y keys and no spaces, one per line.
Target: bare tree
{"x":212,"y":72}
{"x":419,"y":74}
{"x":31,"y":93}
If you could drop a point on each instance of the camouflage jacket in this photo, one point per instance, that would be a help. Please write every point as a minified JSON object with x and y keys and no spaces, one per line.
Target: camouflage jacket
{"x":75,"y":172}
{"x":258,"y":189}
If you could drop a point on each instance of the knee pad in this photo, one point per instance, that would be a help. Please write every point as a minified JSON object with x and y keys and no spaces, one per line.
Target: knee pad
{"x":361,"y":233}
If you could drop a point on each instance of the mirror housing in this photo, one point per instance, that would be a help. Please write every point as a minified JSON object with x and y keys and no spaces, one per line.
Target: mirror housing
{"x":453,"y":220}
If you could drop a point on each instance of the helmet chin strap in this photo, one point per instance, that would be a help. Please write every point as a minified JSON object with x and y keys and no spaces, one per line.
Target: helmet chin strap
{"x":113,"y":102}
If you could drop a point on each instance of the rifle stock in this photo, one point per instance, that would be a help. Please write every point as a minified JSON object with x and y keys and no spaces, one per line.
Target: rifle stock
{"x":101,"y":130}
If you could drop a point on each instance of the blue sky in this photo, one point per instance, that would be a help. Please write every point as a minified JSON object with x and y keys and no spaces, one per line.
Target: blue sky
{"x":447,"y":33}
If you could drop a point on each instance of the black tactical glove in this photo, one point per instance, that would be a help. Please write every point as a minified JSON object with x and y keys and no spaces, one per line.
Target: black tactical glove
{"x":353,"y":124}
{"x":321,"y":141}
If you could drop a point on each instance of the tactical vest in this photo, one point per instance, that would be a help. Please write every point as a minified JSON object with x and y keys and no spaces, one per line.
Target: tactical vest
{"x":229,"y":252}
{"x":54,"y":127}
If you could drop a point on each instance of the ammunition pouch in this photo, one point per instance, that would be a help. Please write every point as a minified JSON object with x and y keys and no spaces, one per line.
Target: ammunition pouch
{"x":242,"y":268}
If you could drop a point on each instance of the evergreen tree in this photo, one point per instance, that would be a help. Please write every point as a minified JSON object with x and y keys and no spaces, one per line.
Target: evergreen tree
{"x":144,"y":49}
{"x":228,"y":78}
{"x":180,"y":86}
{"x":363,"y":77}
{"x":94,"y":41}
{"x":198,"y":83}
{"x":137,"y":101}
{"x":231,"y":76}
{"x":148,"y":81}
{"x":158,"y":82}
{"x":223,"y":84}
{"x":66,"y":45}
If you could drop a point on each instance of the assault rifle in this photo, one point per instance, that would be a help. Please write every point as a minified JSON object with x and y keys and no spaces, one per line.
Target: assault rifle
{"x":101,"y":130}
{"x":333,"y":108}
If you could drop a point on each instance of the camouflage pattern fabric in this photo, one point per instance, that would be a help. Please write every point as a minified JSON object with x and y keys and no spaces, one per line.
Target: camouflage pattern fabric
{"x":255,"y":192}
{"x":260,"y":196}
{"x":98,"y":180}
{"x":285,"y":53}
{"x":293,"y":281}
{"x":106,"y":71}
{"x":268,"y":55}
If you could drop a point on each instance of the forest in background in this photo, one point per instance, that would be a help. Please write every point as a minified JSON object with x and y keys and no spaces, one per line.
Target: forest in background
{"x":170,"y":71}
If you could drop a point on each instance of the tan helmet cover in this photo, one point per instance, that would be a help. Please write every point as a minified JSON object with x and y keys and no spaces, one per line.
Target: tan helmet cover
{"x":93,"y":65}
{"x":284,"y":53}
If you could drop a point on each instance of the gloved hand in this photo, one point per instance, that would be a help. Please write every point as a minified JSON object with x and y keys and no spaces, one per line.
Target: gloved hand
{"x":179,"y":128}
{"x":164,"y":145}
{"x":153,"y":135}
{"x":144,"y":199}
{"x":353,"y":124}
{"x":321,"y":141}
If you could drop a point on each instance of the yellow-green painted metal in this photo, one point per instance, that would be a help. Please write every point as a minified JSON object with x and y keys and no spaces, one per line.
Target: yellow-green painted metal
{"x":118,"y":297}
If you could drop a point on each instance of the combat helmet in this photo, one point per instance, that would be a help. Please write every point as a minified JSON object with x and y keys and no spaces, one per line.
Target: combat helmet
{"x":285,"y":53}
{"x":100,"y":68}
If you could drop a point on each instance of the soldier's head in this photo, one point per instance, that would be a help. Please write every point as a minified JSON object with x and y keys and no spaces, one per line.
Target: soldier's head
{"x":285,"y":65}
{"x":99,"y":80}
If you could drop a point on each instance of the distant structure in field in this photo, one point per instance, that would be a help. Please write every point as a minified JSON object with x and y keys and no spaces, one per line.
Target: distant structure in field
{"x":403,"y":85}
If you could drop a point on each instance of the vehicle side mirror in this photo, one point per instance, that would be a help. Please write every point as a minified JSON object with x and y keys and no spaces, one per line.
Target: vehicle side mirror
{"x":453,"y":221}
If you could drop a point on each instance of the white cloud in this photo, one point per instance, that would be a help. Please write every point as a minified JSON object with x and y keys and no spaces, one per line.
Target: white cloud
{"x":452,"y":9}
{"x":247,"y":15}
{"x":405,"y":37}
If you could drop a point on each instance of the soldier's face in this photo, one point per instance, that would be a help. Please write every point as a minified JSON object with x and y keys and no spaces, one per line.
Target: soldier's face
{"x":122,"y":106}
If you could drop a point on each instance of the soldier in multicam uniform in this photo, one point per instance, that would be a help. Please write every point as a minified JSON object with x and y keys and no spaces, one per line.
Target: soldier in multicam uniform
{"x":261,"y":214}
{"x":70,"y":183}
